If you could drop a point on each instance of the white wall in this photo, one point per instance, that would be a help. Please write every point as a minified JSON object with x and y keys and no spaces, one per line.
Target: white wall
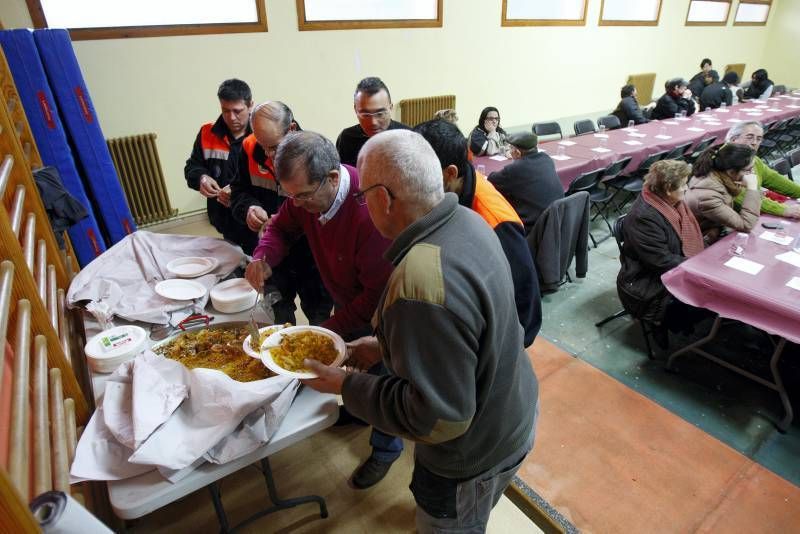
{"x":167,"y":85}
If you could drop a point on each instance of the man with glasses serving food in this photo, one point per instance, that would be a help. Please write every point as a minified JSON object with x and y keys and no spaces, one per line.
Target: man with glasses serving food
{"x":255,"y":198}
{"x":751,"y":133}
{"x":324,"y":206}
{"x":373,"y":107}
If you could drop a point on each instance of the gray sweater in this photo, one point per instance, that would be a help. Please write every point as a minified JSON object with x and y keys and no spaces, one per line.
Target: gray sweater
{"x":460,"y":383}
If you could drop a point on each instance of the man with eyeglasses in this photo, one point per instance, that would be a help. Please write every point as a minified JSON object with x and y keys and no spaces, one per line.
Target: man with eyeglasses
{"x":255,"y":198}
{"x":324,"y":205}
{"x":212,"y":166}
{"x":373,"y":107}
{"x":459,"y":383}
{"x":751,"y":133}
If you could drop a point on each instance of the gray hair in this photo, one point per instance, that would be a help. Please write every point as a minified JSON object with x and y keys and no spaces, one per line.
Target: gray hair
{"x":273,"y":111}
{"x":313,"y":151}
{"x":739,"y":127}
{"x":407,"y":164}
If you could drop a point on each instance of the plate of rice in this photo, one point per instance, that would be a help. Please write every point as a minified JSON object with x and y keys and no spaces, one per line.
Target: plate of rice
{"x":284,"y":351}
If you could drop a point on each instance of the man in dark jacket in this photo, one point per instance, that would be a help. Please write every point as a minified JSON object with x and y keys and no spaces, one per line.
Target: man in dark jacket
{"x":676,"y":99}
{"x":373,"y":107}
{"x":704,"y":78}
{"x":530,"y":182}
{"x":628,"y":108}
{"x":476,"y":193}
{"x":213,"y":164}
{"x":718,"y":92}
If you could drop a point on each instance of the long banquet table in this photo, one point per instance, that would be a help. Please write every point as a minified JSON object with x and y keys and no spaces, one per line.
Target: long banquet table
{"x":590,"y":152}
{"x":768,"y":300}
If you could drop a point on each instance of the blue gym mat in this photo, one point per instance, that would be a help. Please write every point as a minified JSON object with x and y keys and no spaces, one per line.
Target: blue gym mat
{"x":83,"y":128}
{"x":48,"y":131}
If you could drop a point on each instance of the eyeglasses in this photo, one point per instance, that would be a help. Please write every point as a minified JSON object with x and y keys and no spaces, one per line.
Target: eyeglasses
{"x":380,"y":114}
{"x":753,"y":137}
{"x":302,"y":197}
{"x":361,"y":195}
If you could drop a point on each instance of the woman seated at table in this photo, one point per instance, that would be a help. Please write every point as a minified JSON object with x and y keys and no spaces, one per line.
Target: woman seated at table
{"x":488,"y":138}
{"x":720,"y":174}
{"x":760,"y":86}
{"x":659,"y":233}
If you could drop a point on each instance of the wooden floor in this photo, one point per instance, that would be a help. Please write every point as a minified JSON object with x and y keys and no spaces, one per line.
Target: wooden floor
{"x":611,"y":460}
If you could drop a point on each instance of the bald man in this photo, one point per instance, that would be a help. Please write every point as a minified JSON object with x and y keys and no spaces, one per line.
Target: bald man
{"x":255,"y":198}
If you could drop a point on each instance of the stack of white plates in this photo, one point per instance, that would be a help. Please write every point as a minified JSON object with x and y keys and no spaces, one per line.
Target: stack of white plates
{"x":110,"y":348}
{"x":233,"y":296}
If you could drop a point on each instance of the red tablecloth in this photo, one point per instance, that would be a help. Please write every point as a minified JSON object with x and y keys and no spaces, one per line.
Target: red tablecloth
{"x":762,"y":300}
{"x":694,"y":129}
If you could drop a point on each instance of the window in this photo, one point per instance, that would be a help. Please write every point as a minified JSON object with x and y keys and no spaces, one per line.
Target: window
{"x":544,"y":13}
{"x":107,"y":19}
{"x":361,"y":14}
{"x":630,"y":12}
{"x":708,"y":12}
{"x":752,"y":13}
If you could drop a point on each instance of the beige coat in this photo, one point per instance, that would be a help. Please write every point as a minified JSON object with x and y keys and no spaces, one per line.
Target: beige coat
{"x":712,"y":205}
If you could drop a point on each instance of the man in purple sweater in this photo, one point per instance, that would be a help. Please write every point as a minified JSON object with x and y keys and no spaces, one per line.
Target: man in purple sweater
{"x":347,"y":249}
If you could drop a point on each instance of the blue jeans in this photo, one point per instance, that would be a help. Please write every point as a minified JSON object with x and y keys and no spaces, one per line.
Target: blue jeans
{"x":385,"y":448}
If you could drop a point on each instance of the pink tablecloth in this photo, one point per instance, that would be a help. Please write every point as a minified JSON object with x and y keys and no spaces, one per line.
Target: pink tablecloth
{"x":621,"y":144}
{"x":762,"y":300}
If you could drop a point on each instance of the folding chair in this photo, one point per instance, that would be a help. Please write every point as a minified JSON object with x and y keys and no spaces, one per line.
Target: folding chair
{"x":611,"y":122}
{"x":699,"y":149}
{"x":632,"y":186}
{"x":584,"y":126}
{"x":678,"y":152}
{"x":547,"y":128}
{"x":590,"y":182}
{"x":620,"y":238}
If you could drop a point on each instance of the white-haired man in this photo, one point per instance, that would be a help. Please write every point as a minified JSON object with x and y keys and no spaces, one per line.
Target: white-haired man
{"x":751,"y":133}
{"x":460,"y":383}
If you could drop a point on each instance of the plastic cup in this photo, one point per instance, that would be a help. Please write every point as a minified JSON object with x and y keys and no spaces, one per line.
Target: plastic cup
{"x":561,"y":151}
{"x":601,"y":129}
{"x":739,"y":243}
{"x":631,"y":124}
{"x":482,"y":169}
{"x":683,"y":113}
{"x":796,"y":244}
{"x":662,"y":130}
{"x":723,"y":105}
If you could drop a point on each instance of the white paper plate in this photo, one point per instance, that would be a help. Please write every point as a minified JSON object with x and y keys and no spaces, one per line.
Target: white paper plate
{"x":270,"y":329}
{"x":192,"y":266}
{"x":177,"y":289}
{"x":275,"y":339}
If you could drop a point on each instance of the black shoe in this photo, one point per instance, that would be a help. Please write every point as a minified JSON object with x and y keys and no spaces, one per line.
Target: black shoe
{"x":346,"y":418}
{"x":369,"y":473}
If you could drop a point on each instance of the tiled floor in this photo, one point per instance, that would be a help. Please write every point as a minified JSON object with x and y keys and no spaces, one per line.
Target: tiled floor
{"x":647,"y":470}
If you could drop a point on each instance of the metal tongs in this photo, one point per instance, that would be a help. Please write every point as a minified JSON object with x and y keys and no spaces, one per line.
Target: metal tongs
{"x":252,"y":325}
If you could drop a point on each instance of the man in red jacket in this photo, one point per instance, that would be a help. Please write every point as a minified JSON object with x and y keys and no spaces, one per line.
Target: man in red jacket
{"x":323,"y":206}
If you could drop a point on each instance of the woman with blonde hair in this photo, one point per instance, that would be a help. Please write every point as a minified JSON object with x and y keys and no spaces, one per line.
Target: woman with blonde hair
{"x":658,"y":233}
{"x":720,"y":174}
